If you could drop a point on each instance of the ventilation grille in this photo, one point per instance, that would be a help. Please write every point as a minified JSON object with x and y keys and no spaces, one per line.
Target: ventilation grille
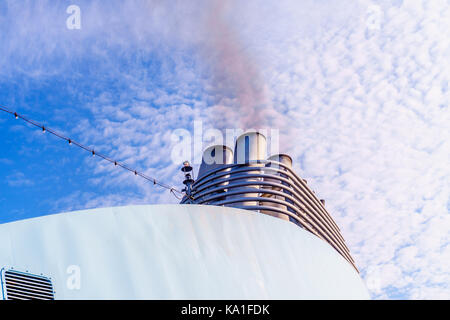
{"x":24,"y":286}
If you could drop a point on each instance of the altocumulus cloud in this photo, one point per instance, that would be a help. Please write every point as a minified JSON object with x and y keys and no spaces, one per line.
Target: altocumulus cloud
{"x":363,"y":110}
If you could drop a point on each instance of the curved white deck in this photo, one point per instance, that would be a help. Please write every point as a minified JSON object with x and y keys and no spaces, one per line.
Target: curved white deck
{"x":178,"y":252}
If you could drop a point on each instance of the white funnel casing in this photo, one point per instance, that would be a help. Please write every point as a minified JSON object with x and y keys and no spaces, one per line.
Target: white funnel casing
{"x":283,"y":158}
{"x":286,"y":160}
{"x":266,"y":186}
{"x":214,"y":157}
{"x":250,"y":146}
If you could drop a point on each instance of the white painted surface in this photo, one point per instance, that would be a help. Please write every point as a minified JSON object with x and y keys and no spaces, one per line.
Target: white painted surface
{"x":178,"y":252}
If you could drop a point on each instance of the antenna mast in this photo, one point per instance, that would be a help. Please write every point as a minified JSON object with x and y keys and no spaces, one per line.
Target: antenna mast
{"x":188,"y":181}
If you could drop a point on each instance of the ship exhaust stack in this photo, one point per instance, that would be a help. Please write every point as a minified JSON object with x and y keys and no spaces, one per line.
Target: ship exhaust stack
{"x":277,"y":164}
{"x":215,"y":157}
{"x":250,"y":149}
{"x":249,"y":180}
{"x":250,"y":146}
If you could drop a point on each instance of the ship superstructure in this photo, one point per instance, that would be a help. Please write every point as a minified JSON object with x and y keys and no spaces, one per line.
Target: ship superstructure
{"x":247,"y":228}
{"x":245,"y":179}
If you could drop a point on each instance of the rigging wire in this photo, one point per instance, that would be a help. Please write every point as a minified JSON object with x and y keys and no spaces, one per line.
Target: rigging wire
{"x":92,"y":151}
{"x":174,"y":194}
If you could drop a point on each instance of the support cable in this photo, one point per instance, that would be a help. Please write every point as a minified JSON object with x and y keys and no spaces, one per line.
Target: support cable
{"x":92,"y":151}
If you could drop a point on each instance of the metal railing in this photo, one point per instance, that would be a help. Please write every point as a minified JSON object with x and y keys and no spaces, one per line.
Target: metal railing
{"x":269,"y":187}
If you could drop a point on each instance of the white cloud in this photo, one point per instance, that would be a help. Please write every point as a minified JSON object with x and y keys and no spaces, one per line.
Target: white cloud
{"x":18,"y":179}
{"x":372,"y":117}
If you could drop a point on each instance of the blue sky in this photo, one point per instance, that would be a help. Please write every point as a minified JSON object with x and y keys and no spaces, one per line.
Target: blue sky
{"x":358,"y":89}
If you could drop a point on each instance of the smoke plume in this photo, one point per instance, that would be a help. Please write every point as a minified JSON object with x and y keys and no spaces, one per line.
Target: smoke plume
{"x":235,"y":74}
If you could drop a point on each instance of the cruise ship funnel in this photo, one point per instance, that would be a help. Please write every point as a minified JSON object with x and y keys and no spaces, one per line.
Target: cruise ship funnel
{"x":250,"y":146}
{"x":276,"y":162}
{"x":215,"y":157}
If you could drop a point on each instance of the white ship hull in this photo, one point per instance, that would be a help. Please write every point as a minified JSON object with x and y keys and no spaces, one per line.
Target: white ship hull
{"x":176,"y":252}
